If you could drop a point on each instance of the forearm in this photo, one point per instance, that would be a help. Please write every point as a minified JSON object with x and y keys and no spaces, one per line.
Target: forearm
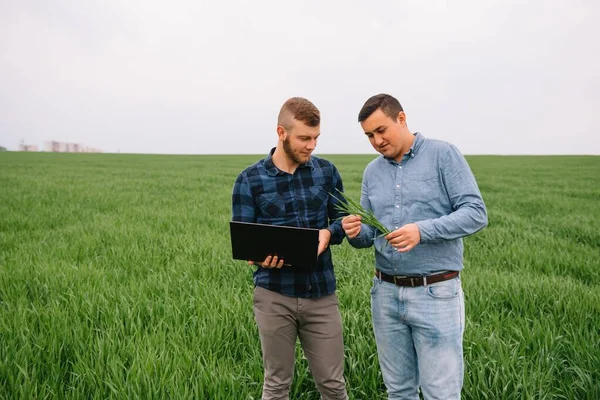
{"x":335,"y":214}
{"x":364,"y":239}
{"x":463,"y":222}
{"x":468,"y":213}
{"x":337,"y":233}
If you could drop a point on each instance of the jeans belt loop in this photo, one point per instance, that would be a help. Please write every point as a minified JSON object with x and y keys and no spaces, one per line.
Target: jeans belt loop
{"x":424,"y":281}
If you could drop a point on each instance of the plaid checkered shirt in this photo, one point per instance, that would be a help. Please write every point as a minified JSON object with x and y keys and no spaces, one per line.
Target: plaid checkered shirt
{"x":264,"y":194}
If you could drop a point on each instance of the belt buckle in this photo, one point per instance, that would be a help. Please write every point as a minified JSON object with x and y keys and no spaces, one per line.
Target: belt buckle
{"x":396,"y":280}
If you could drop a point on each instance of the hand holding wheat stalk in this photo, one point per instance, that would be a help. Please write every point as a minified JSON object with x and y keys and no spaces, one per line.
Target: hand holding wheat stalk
{"x":347,"y":205}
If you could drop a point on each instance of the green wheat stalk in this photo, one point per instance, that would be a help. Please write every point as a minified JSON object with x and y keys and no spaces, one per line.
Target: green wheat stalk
{"x":349,"y":206}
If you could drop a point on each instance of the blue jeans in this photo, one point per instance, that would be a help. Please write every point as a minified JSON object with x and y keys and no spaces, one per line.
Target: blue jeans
{"x":419,"y":332}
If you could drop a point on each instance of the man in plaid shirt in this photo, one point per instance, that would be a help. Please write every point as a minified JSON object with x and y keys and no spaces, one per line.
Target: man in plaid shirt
{"x":290,"y":187}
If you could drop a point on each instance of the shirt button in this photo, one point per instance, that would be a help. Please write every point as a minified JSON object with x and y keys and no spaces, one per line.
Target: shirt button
{"x":395,"y":227}
{"x":400,"y":166}
{"x":309,"y":287}
{"x":397,"y":206}
{"x":397,"y":185}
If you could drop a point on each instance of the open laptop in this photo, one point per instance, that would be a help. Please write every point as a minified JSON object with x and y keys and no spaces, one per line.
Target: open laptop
{"x":254,"y":242}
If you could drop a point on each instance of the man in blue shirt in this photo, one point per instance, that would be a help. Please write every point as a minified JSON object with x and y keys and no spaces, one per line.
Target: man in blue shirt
{"x":290,"y":187}
{"x":424,"y":192}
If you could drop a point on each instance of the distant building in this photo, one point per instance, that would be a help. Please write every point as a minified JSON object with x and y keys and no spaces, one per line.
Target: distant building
{"x":28,"y":147}
{"x":91,"y":150}
{"x":62,"y":147}
{"x":52,"y":146}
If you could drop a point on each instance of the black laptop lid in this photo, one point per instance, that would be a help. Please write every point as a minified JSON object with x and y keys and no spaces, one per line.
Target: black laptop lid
{"x":296,"y":246}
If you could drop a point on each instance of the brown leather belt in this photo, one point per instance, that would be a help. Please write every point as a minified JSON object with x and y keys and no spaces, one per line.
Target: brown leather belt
{"x":413,"y":281}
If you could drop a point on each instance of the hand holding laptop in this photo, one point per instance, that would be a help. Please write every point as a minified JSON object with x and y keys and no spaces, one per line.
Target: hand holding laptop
{"x":270,"y":262}
{"x":324,"y":237}
{"x":274,"y":262}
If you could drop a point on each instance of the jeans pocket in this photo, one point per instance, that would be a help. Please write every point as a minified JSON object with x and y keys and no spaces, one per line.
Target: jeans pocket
{"x":444,"y":290}
{"x":375,"y":286}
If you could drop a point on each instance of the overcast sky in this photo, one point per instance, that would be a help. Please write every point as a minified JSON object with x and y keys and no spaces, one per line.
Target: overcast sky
{"x":201,"y":77}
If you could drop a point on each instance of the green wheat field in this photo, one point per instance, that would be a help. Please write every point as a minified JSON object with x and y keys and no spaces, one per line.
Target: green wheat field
{"x":116,"y":281}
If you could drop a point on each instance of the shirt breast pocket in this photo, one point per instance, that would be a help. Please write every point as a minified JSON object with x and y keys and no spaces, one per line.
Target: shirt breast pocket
{"x":271,"y":205}
{"x":380,"y":202}
{"x":424,"y":190}
{"x":318,"y":198}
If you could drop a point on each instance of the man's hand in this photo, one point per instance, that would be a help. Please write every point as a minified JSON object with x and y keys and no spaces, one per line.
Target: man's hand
{"x":324,"y":237}
{"x":270,"y":262}
{"x":405,"y":238}
{"x":351,"y":225}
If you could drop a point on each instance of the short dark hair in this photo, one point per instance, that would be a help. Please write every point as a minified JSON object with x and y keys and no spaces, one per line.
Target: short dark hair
{"x":300,"y":109}
{"x":388,"y":104}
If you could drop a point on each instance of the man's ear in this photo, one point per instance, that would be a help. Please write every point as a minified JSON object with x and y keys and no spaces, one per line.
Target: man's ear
{"x":401,"y":117}
{"x":281,"y":133}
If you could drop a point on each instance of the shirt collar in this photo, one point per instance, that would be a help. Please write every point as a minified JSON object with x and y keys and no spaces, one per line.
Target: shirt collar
{"x":414,"y":149}
{"x":272,"y":169}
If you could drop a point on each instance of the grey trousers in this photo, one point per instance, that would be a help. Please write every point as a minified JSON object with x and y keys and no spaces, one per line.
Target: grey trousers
{"x":318,"y":325}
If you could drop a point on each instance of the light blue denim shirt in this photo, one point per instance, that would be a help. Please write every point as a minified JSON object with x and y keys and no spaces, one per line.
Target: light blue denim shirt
{"x":433,"y":187}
